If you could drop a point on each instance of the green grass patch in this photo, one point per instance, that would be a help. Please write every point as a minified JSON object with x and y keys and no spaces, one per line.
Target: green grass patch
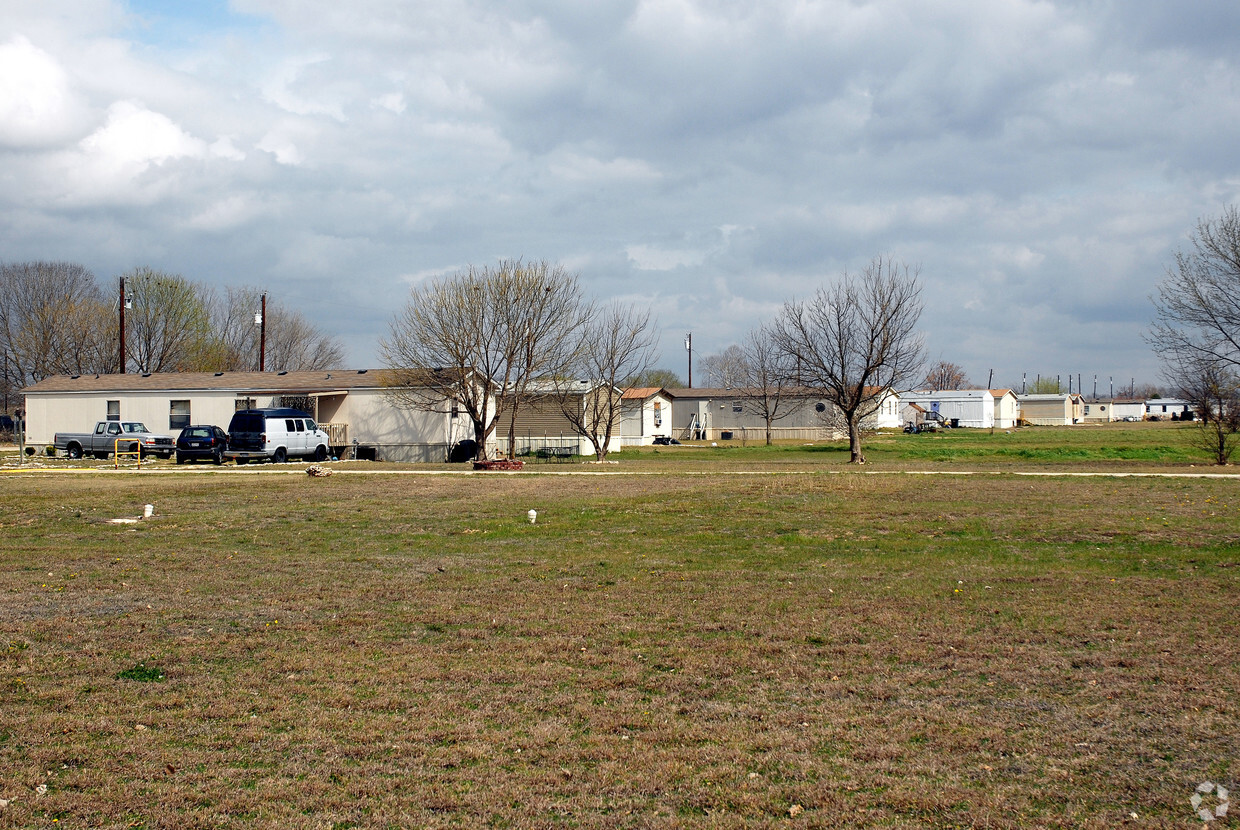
{"x":142,"y":673}
{"x":698,"y":643}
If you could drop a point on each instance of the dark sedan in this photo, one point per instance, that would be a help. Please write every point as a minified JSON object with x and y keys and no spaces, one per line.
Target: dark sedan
{"x":201,"y":443}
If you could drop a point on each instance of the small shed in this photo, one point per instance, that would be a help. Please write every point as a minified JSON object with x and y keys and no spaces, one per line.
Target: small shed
{"x":646,"y":414}
{"x":1007,"y":408}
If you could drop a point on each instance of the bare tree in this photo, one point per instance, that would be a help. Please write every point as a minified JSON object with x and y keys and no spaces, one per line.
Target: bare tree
{"x":617,"y":342}
{"x":725,"y":370}
{"x":478,"y":337}
{"x":53,"y":320}
{"x":1213,"y":389}
{"x":768,"y":385}
{"x":169,"y":326}
{"x":1197,"y":308}
{"x":945,"y":375}
{"x":543,"y":320}
{"x":856,"y":340}
{"x":652,"y":377}
{"x":293,"y":343}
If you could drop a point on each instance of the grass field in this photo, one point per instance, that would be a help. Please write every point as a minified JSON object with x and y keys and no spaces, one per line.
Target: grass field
{"x":814,"y":647}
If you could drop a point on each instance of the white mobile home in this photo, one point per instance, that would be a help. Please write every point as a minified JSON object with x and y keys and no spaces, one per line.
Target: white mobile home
{"x":351,"y":405}
{"x":1124,"y":409}
{"x":959,"y":407}
{"x":1164,"y":408}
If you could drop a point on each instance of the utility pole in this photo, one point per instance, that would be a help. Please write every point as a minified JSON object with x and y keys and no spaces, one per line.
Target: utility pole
{"x":990,"y":378}
{"x":689,"y":348}
{"x":262,"y":335}
{"x":124,"y":302}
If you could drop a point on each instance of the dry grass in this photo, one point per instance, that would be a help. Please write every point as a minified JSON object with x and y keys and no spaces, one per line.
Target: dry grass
{"x":659,"y":651}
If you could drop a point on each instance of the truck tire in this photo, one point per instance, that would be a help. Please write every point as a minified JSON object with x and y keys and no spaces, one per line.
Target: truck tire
{"x":279,"y":456}
{"x":73,"y":451}
{"x":320,"y":454}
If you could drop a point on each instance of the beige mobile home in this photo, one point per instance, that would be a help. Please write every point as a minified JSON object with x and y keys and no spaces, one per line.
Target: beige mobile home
{"x":1047,"y":410}
{"x":707,"y":413}
{"x":351,"y":405}
{"x":539,"y":423}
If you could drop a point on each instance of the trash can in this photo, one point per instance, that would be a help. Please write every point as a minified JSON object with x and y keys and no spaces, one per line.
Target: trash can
{"x":725,"y":435}
{"x":955,"y":423}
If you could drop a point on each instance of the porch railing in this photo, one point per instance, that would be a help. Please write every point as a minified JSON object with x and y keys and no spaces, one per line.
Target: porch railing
{"x":337,"y":434}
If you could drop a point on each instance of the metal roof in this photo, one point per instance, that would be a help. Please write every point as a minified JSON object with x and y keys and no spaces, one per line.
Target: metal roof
{"x":274,"y":382}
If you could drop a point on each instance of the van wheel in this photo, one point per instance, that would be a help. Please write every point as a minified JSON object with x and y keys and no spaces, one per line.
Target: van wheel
{"x":321,"y":453}
{"x":279,"y":456}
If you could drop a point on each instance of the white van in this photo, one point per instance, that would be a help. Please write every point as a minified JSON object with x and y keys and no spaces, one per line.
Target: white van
{"x":275,"y":434}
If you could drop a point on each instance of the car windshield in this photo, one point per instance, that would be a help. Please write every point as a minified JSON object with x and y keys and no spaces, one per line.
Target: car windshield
{"x":134,"y":426}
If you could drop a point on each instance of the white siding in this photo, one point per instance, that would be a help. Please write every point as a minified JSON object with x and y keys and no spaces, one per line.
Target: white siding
{"x":975,"y":409}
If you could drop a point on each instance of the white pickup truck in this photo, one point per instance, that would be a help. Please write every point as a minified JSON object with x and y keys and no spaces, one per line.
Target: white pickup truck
{"x":128,"y":436}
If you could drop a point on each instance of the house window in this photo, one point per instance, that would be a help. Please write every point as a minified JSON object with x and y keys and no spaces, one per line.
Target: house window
{"x":244,"y":403}
{"x":178,"y":415}
{"x":114,"y":410}
{"x":736,"y":406}
{"x":820,"y":407}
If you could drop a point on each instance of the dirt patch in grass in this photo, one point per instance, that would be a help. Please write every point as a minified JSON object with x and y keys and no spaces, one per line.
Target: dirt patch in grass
{"x":809,"y":650}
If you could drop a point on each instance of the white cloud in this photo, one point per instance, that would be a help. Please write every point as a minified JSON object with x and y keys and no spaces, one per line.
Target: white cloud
{"x":573,"y":167}
{"x":391,"y":101}
{"x":650,"y":258}
{"x":282,"y":147}
{"x":1039,"y":159}
{"x":38,"y":105}
{"x":134,"y":138}
{"x":224,"y":148}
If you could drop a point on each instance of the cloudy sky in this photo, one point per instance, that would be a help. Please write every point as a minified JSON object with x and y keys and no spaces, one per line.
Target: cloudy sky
{"x":1039,"y":161}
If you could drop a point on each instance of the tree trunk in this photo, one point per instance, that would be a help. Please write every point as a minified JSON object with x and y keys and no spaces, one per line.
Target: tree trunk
{"x":854,"y":441}
{"x":768,"y":432}
{"x":480,"y":438}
